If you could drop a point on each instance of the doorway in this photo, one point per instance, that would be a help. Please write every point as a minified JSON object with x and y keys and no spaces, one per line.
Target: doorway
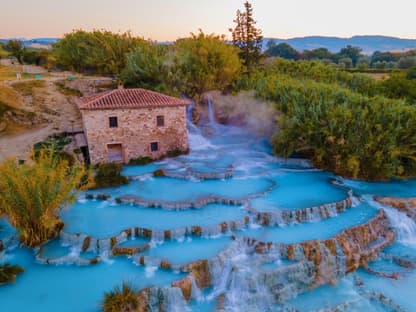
{"x":115,"y":153}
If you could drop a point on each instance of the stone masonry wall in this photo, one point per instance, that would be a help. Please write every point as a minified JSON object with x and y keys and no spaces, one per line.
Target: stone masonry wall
{"x":137,"y":128}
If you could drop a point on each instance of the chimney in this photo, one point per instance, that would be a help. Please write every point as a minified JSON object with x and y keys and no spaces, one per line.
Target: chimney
{"x":120,"y":85}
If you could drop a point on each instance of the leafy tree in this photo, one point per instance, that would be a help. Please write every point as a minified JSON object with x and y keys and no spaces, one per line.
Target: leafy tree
{"x":382,"y":57}
{"x":283,"y":50}
{"x":321,"y":53}
{"x":72,"y":50}
{"x":351,"y":52}
{"x":33,"y":194}
{"x":406,"y":62}
{"x":345,"y":62}
{"x":204,"y":62}
{"x":98,"y":51}
{"x":148,"y":66}
{"x":15,"y":47}
{"x":247,"y":37}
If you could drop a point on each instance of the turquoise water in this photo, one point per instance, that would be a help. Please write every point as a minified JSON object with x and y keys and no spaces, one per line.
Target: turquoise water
{"x":103,"y":219}
{"x":299,"y":190}
{"x":135,"y":242}
{"x":314,"y":230}
{"x":70,"y":288}
{"x":188,"y":250}
{"x":246,"y":171}
{"x":399,"y":188}
{"x":166,"y":189}
{"x":331,"y":297}
{"x":6,"y":230}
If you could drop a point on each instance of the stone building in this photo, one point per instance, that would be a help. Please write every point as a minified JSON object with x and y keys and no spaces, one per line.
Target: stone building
{"x":131,"y":123}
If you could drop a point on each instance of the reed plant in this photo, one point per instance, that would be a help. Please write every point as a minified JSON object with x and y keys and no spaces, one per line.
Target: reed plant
{"x":32,"y":194}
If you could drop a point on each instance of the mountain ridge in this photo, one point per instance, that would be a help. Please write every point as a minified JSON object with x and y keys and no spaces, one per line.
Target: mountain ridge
{"x":368,"y":43}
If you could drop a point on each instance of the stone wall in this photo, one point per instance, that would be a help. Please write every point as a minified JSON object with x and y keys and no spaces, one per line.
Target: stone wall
{"x":137,"y":128}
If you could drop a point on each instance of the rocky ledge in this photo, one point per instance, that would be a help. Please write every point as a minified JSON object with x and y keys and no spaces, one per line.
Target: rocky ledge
{"x":406,"y":205}
{"x":311,"y":263}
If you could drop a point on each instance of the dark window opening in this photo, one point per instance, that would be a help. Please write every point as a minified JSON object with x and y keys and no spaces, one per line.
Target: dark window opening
{"x":113,"y":122}
{"x":154,"y":146}
{"x":160,"y":120}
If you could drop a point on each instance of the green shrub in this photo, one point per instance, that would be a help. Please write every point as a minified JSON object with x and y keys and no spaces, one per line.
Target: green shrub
{"x":9,"y":272}
{"x":159,"y":173}
{"x":349,"y":133}
{"x":109,"y":174}
{"x":121,"y":299}
{"x":176,"y":153}
{"x":140,"y":161}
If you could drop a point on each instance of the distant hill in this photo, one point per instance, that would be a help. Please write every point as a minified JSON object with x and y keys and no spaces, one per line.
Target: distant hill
{"x":369,"y":44}
{"x":34,"y":43}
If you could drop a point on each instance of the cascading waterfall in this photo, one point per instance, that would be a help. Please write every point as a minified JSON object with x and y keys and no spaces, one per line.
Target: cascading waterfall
{"x":211,"y":113}
{"x":196,"y":140}
{"x":405,"y":227}
{"x":237,"y":276}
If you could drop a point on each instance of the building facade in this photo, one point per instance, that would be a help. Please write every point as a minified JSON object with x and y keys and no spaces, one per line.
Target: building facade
{"x":132,"y":123}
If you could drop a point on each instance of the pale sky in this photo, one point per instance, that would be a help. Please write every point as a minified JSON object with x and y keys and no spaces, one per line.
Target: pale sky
{"x":171,"y":19}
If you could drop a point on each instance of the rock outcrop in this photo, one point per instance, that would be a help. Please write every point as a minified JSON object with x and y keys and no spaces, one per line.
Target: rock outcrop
{"x":405,"y":205}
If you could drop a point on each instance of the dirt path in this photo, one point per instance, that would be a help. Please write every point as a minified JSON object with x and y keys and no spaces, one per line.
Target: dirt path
{"x":20,"y":145}
{"x":58,"y":109}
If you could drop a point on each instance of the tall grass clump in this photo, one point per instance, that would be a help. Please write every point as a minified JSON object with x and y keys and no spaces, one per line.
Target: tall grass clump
{"x":8,"y":273}
{"x":122,"y":298}
{"x":32,"y":194}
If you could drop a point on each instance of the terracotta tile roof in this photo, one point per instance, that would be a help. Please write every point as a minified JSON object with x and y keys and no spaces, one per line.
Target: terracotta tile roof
{"x":129,"y":98}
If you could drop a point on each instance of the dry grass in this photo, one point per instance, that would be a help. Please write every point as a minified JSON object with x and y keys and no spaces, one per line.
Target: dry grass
{"x":66,"y":90}
{"x":9,"y":97}
{"x":9,"y":72}
{"x":9,"y":100}
{"x":27,"y":88}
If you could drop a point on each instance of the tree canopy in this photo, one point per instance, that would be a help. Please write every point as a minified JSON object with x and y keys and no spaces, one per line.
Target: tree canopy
{"x":98,"y":51}
{"x":205,"y":62}
{"x":283,"y":50}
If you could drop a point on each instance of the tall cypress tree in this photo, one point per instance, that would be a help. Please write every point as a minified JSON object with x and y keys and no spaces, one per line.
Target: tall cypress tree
{"x":247,"y":37}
